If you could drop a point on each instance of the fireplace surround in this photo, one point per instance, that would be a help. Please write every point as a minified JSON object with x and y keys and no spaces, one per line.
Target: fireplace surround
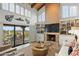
{"x":50,"y":36}
{"x":53,"y":41}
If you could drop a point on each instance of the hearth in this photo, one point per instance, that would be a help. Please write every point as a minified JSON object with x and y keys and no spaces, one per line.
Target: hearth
{"x":54,"y":37}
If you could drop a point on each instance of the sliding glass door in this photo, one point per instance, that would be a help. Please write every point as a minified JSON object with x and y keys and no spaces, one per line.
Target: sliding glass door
{"x":18,"y":35}
{"x":15,"y":35}
{"x":26,"y":34}
{"x":8,"y":35}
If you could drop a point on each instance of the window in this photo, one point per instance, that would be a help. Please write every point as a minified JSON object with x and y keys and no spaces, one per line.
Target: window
{"x":22,"y":11}
{"x":17,"y":9}
{"x":65,"y":11}
{"x":73,"y":11}
{"x":39,"y":18}
{"x":8,"y":35}
{"x":15,"y":35}
{"x":18,"y":35}
{"x":5,"y":6}
{"x":26,"y":12}
{"x":26,"y":34}
{"x":29,"y":13}
{"x":69,"y":11}
{"x":12,"y":7}
{"x":43,"y":17}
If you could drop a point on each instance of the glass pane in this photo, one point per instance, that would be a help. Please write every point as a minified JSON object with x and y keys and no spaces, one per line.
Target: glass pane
{"x":22,"y":11}
{"x":73,"y":11}
{"x":39,"y":18}
{"x":5,"y":6}
{"x":12,"y":7}
{"x":8,"y":35}
{"x":25,"y":12}
{"x":26,"y":33}
{"x":19,"y":36}
{"x":43,"y":17}
{"x":29,"y":13}
{"x":65,"y":11}
{"x":17,"y":9}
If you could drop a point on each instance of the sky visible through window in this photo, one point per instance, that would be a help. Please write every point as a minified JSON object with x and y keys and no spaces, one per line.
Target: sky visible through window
{"x":69,"y":11}
{"x":12,"y":28}
{"x":8,"y":28}
{"x":65,"y":11}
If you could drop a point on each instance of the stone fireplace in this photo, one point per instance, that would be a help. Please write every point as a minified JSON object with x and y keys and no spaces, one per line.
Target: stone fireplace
{"x":54,"y":37}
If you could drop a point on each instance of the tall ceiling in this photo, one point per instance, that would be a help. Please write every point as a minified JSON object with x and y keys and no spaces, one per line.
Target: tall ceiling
{"x":37,"y":6}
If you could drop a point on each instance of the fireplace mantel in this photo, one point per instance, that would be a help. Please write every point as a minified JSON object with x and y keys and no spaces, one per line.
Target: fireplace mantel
{"x":51,"y":33}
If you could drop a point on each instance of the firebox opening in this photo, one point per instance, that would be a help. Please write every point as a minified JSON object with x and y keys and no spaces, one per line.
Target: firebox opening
{"x":51,"y":38}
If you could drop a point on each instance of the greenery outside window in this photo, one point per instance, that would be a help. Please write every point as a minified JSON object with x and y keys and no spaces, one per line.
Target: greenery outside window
{"x":15,"y":35}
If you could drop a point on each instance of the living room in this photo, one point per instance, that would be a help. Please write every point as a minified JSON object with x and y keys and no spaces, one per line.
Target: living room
{"x":39,"y":29}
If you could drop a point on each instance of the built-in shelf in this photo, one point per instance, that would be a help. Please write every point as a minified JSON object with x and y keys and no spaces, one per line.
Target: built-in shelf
{"x":65,"y":25}
{"x":14,"y":22}
{"x":40,"y":28}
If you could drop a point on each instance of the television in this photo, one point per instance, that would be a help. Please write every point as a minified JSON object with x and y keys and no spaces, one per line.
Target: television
{"x":52,"y":27}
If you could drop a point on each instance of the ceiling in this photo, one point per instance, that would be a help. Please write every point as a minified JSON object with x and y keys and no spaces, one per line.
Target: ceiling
{"x":37,"y":6}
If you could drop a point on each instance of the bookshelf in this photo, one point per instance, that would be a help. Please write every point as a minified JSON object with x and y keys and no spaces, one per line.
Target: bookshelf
{"x":65,"y":25}
{"x":40,"y":28}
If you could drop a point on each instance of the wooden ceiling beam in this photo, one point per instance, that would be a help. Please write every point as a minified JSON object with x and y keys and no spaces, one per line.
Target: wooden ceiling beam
{"x":41,"y":6}
{"x":37,"y":6}
{"x":33,"y":5}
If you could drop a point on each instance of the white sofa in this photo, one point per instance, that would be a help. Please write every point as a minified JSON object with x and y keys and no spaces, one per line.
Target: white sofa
{"x":63,"y":40}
